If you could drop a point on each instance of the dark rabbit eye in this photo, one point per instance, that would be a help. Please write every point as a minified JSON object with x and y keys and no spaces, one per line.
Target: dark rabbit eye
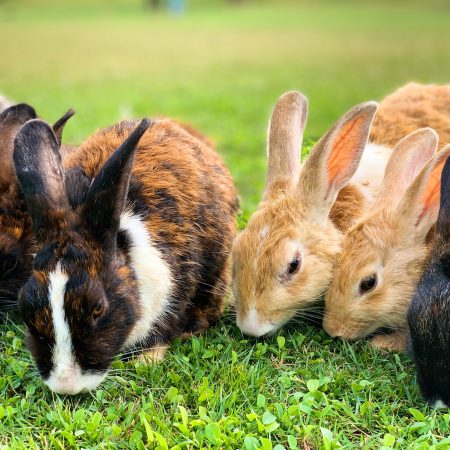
{"x":294,"y":265}
{"x":368,"y":284}
{"x":97,"y":310}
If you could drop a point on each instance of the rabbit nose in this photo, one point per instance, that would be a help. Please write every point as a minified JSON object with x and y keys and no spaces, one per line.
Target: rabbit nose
{"x":334,"y":332}
{"x":252,"y":324}
{"x":65,"y":381}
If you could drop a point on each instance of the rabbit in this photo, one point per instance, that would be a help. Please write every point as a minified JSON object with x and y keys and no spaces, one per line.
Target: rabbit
{"x":411,"y":107}
{"x":349,"y":314}
{"x":142,"y":259}
{"x":283,"y":260}
{"x":384,"y":254}
{"x":429,"y":313}
{"x":16,"y":235}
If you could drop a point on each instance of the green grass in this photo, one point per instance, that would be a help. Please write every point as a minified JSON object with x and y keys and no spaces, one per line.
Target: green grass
{"x":221,"y":69}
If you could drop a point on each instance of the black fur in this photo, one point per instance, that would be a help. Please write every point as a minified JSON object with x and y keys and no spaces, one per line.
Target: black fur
{"x":105,"y":200}
{"x":429,"y":313}
{"x":40,"y":173}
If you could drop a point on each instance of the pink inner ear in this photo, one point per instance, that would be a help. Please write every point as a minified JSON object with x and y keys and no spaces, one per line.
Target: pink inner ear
{"x":346,"y":147}
{"x":432,"y":194}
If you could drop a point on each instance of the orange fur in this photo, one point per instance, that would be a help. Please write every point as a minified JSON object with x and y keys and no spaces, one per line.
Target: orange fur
{"x":294,"y":221}
{"x":411,"y":107}
{"x":393,"y":244}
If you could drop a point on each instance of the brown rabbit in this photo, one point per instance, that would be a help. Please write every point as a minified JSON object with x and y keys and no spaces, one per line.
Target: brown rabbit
{"x":384,"y":253}
{"x":283,"y":260}
{"x":133,"y":240}
{"x":16,"y":235}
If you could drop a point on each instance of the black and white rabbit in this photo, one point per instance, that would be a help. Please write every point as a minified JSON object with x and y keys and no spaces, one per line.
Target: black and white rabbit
{"x":142,"y":259}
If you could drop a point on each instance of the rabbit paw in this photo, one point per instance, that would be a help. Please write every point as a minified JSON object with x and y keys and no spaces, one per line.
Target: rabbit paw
{"x":394,"y":341}
{"x":154,"y":355}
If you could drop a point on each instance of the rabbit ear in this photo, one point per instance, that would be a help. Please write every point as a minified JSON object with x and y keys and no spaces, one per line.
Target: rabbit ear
{"x":58,"y":126}
{"x":40,"y":173}
{"x":420,"y":203}
{"x":443,"y":221}
{"x":408,"y":158}
{"x":105,"y":200}
{"x":334,"y":160}
{"x":285,"y":137}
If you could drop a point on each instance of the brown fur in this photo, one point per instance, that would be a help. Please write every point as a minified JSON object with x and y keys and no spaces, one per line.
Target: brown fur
{"x":163,"y":148}
{"x":159,"y":175}
{"x":393,"y":242}
{"x":292,"y":226}
{"x":411,"y":107}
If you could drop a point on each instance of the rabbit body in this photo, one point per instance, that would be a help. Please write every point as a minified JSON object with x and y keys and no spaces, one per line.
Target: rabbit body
{"x":131,"y":255}
{"x":283,"y":261}
{"x":429,"y":312}
{"x":383,"y":254}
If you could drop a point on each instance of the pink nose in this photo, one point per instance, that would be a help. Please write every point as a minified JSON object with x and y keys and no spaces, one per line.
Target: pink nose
{"x":252,"y":324}
{"x":65,"y":385}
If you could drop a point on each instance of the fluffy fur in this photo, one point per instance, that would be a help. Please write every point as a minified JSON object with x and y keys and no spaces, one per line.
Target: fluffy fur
{"x":141,"y":224}
{"x":429,"y":313}
{"x":391,"y":244}
{"x":385,"y":242}
{"x":16,"y":237}
{"x":16,"y":234}
{"x":282,"y":262}
{"x":412,"y":107}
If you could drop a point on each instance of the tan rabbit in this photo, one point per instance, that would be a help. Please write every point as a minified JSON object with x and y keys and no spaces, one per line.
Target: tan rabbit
{"x":384,"y":254}
{"x":411,"y":107}
{"x":283,"y":261}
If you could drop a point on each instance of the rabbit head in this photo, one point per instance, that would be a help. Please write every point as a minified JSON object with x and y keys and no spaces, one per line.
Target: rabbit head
{"x":283,"y":260}
{"x":80,"y":302}
{"x":384,"y":254}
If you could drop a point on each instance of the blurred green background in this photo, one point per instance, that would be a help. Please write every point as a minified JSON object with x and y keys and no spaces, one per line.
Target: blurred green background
{"x":219,"y":66}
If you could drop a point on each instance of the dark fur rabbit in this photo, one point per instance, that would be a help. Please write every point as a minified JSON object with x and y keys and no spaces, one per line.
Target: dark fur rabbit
{"x":141,"y":260}
{"x":16,"y":237}
{"x":16,"y":234}
{"x":429,"y":313}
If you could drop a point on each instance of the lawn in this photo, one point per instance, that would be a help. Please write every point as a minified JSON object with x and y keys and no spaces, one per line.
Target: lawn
{"x":221,"y":69}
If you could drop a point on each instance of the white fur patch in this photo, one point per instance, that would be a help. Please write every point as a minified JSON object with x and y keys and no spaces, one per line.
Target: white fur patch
{"x":439,"y":404}
{"x":152,"y":272}
{"x":370,"y":173}
{"x":66,"y":376}
{"x":252,"y":326}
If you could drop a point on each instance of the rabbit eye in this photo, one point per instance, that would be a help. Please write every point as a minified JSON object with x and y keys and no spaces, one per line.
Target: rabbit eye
{"x":293,"y":266}
{"x":368,"y":284}
{"x":97,"y":310}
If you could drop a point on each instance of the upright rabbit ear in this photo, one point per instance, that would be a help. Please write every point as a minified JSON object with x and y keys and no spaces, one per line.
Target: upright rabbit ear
{"x":285,"y":137}
{"x":419,"y":206}
{"x":408,"y":158}
{"x":40,"y":173}
{"x":443,"y":221}
{"x":58,"y":126}
{"x":334,"y":160}
{"x":107,"y":194}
